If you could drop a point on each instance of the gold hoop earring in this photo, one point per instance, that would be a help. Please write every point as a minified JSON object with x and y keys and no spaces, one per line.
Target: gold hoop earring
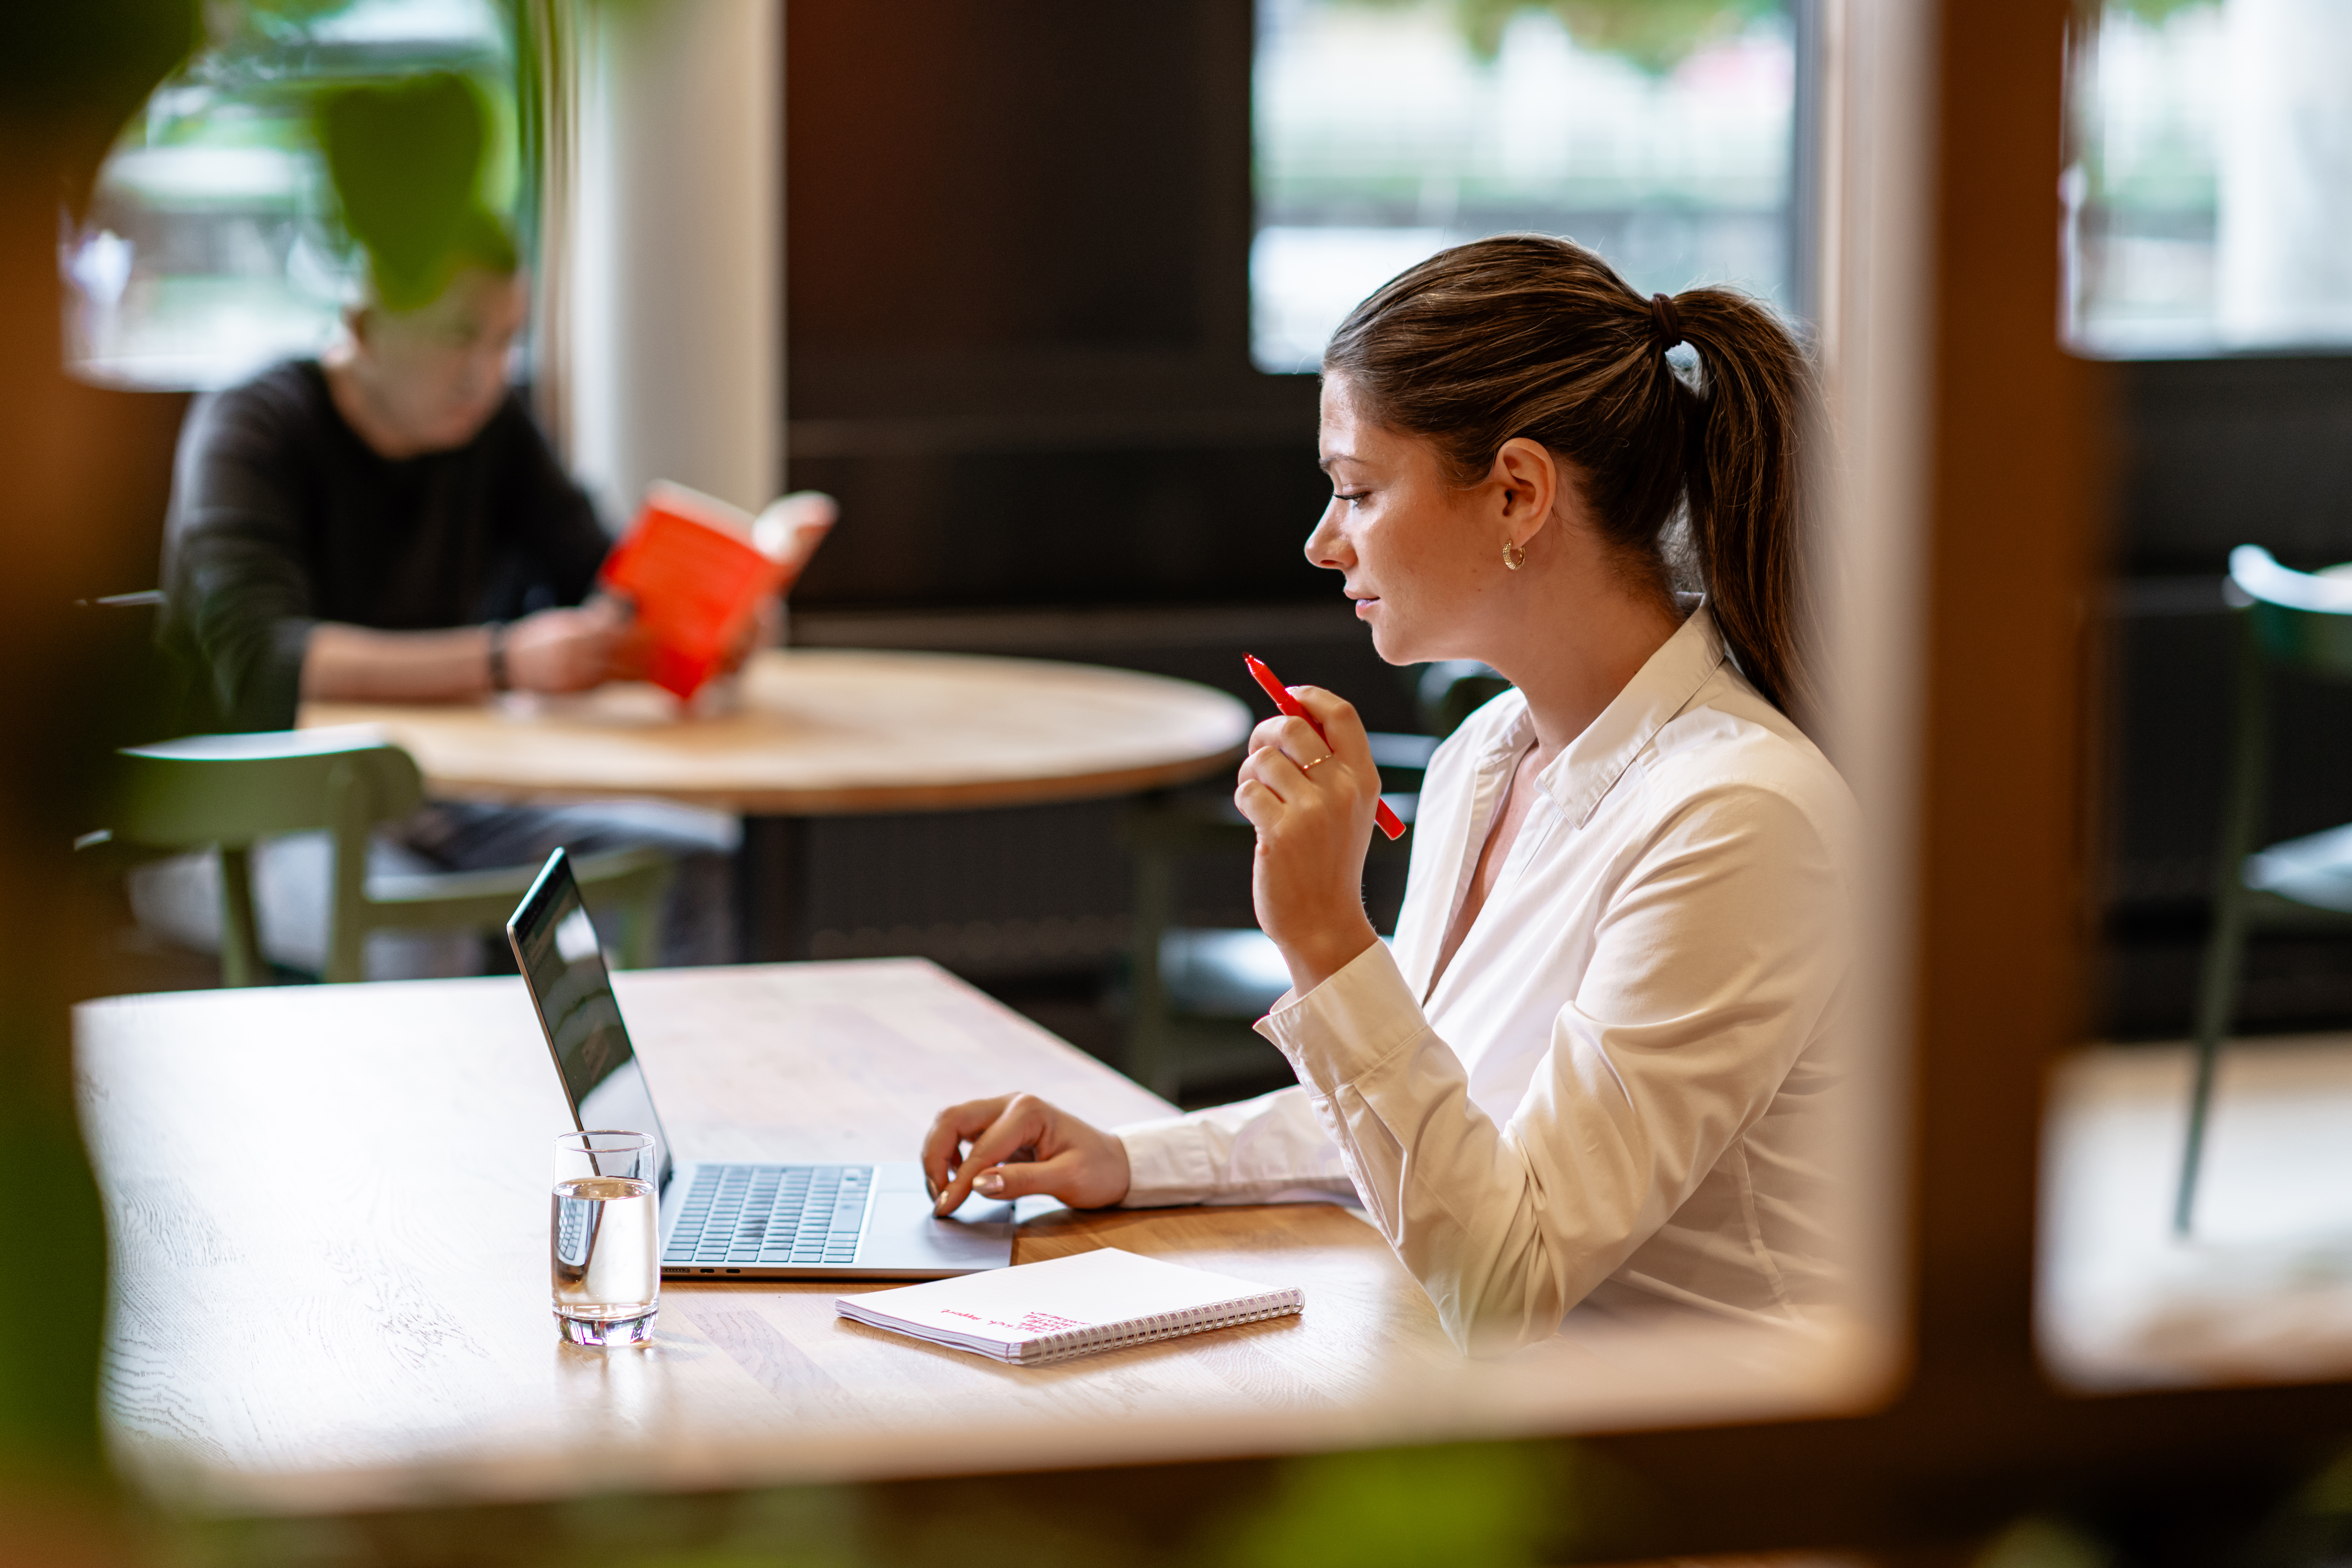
{"x":1514,"y":557}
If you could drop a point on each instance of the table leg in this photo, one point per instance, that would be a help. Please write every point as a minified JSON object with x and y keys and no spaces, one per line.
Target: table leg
{"x":771,"y":888}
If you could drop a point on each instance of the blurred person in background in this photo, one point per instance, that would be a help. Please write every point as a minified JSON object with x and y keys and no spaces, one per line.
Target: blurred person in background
{"x":387,"y":523}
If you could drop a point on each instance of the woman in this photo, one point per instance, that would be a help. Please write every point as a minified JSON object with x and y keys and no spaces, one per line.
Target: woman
{"x":1591,"y":1064}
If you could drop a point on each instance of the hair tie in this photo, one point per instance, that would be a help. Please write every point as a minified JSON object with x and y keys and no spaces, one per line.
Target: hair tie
{"x":1668,"y":323}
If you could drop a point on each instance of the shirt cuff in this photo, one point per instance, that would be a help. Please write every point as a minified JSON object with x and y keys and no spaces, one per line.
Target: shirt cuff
{"x":1356,"y":1019}
{"x":1168,"y":1161}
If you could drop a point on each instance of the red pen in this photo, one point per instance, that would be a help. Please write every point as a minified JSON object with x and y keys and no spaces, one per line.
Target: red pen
{"x":1290,"y":705}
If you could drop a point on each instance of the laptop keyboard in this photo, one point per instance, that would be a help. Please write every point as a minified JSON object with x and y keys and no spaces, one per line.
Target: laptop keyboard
{"x":736,"y":1215}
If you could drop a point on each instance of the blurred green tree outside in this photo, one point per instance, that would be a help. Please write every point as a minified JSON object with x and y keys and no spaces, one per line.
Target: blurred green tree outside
{"x":220,"y":239}
{"x":2154,"y":13}
{"x":1653,"y":35}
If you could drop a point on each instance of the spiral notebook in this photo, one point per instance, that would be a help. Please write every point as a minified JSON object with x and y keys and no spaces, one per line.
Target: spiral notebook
{"x":1098,"y":1300}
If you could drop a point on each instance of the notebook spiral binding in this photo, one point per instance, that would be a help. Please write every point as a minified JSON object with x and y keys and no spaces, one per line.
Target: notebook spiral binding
{"x":1160,"y":1326}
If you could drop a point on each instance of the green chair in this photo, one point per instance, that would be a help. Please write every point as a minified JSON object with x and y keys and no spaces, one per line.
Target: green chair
{"x":225,"y":792}
{"x":2301,"y":623}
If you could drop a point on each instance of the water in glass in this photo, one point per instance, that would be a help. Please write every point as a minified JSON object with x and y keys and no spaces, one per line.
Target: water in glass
{"x":602,"y":1244}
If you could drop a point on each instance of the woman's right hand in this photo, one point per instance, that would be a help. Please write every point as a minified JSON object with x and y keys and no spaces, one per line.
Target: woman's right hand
{"x":1016,"y":1144}
{"x":1306,"y":878}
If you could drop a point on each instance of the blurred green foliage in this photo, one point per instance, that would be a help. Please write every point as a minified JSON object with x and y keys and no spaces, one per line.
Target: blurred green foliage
{"x":1653,"y":35}
{"x":2330,"y":1492}
{"x":69,"y":75}
{"x":2315,"y":1529}
{"x":2090,"y":14}
{"x":2040,"y":1541}
{"x":426,"y":102}
{"x":294,"y":16}
{"x":1476,"y":1505}
{"x":2156,"y":13}
{"x":407,"y":159}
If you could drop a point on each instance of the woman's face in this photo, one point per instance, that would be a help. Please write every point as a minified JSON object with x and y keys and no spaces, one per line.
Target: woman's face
{"x":1422,"y":557}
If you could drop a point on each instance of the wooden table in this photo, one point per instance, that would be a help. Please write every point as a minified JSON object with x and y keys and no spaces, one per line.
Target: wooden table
{"x":2262,"y":1292}
{"x":329,"y":1212}
{"x":826,"y":733}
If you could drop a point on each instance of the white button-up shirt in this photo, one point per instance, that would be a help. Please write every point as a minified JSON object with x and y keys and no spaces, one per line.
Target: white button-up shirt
{"x":1618,"y":1077}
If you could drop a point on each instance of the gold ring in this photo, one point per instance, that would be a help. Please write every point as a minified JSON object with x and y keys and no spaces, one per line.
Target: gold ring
{"x":1310,"y":767}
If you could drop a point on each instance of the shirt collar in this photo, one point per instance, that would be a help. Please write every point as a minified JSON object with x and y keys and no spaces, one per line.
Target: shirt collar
{"x":1593,"y":763}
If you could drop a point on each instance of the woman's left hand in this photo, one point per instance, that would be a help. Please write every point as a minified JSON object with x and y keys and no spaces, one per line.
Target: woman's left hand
{"x":1312,"y":804}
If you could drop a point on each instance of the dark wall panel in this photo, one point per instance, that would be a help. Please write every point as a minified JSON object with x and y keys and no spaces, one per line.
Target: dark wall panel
{"x":1025,"y":527}
{"x":2216,"y":453}
{"x":2213,"y":454}
{"x":1018,"y":174}
{"x":1017,"y":281}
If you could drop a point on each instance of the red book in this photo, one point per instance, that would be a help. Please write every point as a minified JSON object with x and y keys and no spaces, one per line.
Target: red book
{"x":690,"y":566}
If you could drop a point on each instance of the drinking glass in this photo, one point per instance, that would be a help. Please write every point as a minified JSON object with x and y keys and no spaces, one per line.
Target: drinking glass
{"x":602,"y":1243}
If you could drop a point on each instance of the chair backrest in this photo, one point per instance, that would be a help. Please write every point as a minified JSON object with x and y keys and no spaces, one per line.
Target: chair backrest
{"x":2301,"y":620}
{"x":233,"y":789}
{"x":1451,"y":690}
{"x":1401,"y":759}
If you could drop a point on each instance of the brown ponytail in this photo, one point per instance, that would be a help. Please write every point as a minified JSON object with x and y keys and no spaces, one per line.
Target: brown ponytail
{"x":1528,"y":335}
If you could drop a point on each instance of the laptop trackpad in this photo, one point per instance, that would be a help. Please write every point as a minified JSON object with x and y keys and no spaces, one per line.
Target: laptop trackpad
{"x":900,"y":1234}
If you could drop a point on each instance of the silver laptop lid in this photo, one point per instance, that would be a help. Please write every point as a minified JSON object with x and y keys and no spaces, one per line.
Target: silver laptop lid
{"x":555,"y":947}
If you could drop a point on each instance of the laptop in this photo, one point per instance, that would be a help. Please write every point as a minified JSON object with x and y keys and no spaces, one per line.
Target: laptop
{"x":773,"y":1219}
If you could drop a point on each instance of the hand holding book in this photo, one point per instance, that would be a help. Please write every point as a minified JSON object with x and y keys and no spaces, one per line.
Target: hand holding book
{"x":565,"y":650}
{"x":699,"y":575}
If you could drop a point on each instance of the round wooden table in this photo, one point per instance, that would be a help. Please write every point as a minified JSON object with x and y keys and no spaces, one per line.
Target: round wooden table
{"x":824,"y":733}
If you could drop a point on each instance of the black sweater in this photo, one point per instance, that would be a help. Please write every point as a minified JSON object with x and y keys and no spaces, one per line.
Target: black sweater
{"x":282,"y":517}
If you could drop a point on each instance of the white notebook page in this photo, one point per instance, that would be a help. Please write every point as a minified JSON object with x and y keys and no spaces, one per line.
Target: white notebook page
{"x":1066,"y":1306}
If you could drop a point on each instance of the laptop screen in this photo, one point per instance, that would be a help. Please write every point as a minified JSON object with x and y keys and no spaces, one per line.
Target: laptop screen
{"x":555,"y":947}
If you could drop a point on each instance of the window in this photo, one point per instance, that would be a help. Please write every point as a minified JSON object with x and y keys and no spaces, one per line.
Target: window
{"x":2205,"y":209}
{"x":1661,"y":135}
{"x":211,"y":247}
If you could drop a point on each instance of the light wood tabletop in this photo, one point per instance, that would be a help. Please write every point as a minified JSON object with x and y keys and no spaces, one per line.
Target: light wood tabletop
{"x":329,"y":1214}
{"x":817,"y":732}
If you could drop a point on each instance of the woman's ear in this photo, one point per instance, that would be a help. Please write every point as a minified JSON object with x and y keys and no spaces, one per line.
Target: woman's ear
{"x":1528,"y":477}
